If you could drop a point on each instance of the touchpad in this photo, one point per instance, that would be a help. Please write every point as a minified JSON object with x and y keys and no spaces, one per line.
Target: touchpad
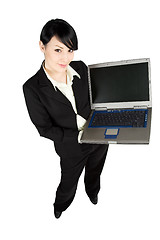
{"x":111,"y":132}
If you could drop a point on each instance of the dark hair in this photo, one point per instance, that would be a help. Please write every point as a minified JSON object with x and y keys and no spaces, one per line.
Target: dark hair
{"x":62,"y":30}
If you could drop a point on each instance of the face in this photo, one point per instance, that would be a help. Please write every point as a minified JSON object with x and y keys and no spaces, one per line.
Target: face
{"x":57,"y":55}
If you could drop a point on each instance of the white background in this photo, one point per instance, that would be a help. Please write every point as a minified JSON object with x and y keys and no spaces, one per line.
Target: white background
{"x":129,"y":201}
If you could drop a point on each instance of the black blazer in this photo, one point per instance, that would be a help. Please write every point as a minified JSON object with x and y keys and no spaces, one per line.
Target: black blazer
{"x":52,"y":113}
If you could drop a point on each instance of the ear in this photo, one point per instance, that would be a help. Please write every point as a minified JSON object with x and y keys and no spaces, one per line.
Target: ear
{"x":41,"y":46}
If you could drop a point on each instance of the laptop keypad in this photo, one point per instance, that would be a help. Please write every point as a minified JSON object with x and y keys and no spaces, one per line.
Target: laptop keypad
{"x":120,"y":118}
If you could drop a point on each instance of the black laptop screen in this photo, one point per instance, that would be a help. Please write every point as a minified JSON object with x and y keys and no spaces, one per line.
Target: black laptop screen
{"x":120,"y":83}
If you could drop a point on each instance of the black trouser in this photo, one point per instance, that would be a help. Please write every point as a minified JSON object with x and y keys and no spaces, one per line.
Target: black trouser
{"x":93,"y":159}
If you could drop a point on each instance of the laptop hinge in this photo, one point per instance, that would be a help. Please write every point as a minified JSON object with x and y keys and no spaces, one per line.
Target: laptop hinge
{"x":140,"y":107}
{"x":100,"y":109}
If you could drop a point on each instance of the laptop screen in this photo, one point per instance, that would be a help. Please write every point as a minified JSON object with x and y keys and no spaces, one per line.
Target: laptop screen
{"x":120,"y":83}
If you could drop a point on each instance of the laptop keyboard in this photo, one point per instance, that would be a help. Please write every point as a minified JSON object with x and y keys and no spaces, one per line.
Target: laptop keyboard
{"x":119,"y":118}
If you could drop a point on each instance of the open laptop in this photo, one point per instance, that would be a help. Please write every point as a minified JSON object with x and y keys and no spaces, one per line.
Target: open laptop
{"x":120,"y":97}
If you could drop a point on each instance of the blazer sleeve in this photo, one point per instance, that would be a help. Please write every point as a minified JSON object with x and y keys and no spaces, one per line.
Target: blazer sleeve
{"x":40,"y":117}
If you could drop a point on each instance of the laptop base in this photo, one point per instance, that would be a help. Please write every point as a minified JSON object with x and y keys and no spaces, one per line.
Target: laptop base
{"x":134,"y":135}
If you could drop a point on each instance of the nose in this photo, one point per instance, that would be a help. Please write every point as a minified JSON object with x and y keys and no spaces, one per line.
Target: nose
{"x":65,"y":57}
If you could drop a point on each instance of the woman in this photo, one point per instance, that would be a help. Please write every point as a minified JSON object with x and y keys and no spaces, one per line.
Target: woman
{"x":57,"y":99}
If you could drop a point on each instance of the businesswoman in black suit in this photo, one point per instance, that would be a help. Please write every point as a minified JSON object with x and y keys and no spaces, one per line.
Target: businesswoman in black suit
{"x":57,"y":100}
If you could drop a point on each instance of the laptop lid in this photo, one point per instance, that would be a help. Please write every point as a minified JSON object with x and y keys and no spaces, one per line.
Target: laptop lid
{"x":121,"y":84}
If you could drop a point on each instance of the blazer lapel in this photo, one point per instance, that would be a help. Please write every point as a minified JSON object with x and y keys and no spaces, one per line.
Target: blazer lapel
{"x":48,"y":88}
{"x":76,"y":86}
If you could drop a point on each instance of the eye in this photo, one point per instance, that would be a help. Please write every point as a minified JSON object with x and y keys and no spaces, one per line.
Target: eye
{"x":70,"y":50}
{"x":58,"y":50}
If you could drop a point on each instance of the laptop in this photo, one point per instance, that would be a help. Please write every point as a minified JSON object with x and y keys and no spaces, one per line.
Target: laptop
{"x":120,"y":98}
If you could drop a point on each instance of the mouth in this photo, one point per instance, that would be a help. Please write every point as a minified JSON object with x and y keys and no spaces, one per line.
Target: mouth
{"x":63,"y":65}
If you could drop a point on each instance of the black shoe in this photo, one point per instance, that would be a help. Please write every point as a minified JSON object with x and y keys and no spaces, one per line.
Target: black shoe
{"x":57,"y":214}
{"x":94,"y":200}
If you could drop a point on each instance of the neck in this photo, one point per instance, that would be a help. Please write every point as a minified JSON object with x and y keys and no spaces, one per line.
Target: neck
{"x":57,"y":76}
